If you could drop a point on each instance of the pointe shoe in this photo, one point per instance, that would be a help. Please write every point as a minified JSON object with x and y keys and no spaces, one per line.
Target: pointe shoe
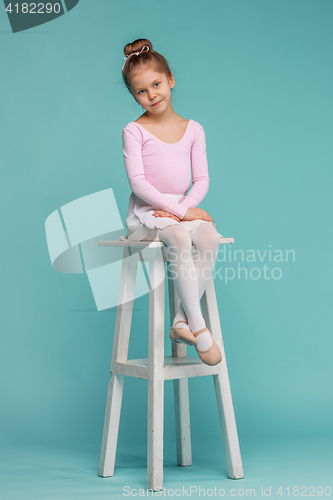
{"x":182,"y":334}
{"x":213,"y":355}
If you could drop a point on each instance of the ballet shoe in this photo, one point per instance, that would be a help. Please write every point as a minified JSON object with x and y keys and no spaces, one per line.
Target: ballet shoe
{"x":182,"y":334}
{"x":211,"y":356}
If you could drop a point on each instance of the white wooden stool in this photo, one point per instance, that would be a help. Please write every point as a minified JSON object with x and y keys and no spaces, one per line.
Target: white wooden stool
{"x":158,"y":368}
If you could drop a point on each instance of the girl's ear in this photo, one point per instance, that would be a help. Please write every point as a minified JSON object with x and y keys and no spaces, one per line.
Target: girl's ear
{"x":172,"y":81}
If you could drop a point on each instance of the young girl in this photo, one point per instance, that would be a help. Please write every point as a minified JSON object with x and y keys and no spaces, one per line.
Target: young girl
{"x":161,"y":149}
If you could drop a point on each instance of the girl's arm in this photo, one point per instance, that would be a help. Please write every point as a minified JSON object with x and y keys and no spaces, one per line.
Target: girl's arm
{"x":136,"y":176}
{"x":200,"y":182}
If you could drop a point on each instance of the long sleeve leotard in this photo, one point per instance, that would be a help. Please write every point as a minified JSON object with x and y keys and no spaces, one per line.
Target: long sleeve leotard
{"x":155,"y":167}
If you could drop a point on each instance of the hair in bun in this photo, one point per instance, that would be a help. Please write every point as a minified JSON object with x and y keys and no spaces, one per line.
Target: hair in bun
{"x":147,"y":55}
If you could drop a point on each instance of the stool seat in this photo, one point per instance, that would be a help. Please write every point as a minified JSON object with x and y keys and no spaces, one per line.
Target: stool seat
{"x":152,"y":244}
{"x":157,"y":368}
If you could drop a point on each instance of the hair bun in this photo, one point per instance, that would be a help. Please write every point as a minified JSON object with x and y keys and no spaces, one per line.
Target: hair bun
{"x":136,"y":46}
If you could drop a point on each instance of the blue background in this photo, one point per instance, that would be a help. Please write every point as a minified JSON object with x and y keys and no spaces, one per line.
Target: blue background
{"x":257,"y":75}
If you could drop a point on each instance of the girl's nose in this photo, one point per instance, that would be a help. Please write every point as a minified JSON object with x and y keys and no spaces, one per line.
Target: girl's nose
{"x":152,"y":94}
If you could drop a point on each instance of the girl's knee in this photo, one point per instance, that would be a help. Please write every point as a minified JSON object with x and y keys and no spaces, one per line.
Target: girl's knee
{"x":176,"y":236}
{"x":206,"y":237}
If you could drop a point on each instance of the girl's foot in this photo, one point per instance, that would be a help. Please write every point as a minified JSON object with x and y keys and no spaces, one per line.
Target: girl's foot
{"x":204,"y":340}
{"x":212,"y":355}
{"x":182,"y":333}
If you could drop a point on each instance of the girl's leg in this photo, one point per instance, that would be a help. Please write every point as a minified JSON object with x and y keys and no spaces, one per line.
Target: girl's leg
{"x":184,"y":273}
{"x":206,"y":243}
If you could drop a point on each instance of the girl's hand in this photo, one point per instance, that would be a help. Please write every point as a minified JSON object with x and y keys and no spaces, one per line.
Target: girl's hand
{"x":197,"y":213}
{"x":163,"y":213}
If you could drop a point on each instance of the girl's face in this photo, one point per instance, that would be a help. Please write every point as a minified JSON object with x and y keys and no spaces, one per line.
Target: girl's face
{"x":152,"y":90}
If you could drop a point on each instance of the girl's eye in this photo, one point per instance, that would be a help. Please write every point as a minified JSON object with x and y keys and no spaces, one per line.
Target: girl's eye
{"x":140,"y":91}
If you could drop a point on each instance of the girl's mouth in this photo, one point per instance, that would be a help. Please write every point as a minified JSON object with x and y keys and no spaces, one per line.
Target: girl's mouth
{"x":157,"y":103}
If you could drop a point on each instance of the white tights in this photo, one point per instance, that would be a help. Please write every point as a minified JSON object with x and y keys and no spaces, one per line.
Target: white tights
{"x":191,"y":274}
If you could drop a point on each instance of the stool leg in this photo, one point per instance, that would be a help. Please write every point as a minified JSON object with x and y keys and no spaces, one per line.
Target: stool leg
{"x":183,"y":430}
{"x":180,"y":390}
{"x":119,"y":353}
{"x":222,"y":388}
{"x":111,"y":426}
{"x":155,"y":373}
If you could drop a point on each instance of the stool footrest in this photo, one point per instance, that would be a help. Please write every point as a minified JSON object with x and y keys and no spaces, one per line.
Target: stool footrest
{"x":173,"y":368}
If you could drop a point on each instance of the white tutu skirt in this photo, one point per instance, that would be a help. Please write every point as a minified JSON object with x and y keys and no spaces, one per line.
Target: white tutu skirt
{"x":142,"y":224}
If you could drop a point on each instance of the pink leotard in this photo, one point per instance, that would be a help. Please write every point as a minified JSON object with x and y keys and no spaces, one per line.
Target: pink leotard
{"x":155,"y":167}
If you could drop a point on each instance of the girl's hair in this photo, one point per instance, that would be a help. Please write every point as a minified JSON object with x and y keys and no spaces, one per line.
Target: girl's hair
{"x":151,"y":57}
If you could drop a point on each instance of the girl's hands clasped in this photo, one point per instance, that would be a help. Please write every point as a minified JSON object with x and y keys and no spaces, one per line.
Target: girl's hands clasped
{"x":191,"y":214}
{"x":163,"y":213}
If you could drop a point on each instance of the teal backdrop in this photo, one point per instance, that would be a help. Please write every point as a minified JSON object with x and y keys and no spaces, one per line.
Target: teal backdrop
{"x":257,"y":75}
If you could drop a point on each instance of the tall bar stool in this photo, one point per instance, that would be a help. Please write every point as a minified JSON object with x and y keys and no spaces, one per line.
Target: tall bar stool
{"x":157,"y":368}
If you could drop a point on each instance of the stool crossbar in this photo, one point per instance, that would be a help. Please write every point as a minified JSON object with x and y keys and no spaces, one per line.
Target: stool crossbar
{"x":157,"y":368}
